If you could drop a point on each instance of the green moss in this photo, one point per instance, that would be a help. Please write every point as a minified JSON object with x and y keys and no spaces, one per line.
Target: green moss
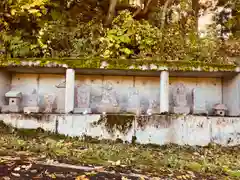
{"x":114,"y":123}
{"x":121,"y":64}
{"x":194,"y":166}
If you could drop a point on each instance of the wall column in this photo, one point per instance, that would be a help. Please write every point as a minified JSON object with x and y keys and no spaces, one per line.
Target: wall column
{"x":69,"y":92}
{"x":231,"y":94}
{"x":5,"y":86}
{"x":164,"y":91}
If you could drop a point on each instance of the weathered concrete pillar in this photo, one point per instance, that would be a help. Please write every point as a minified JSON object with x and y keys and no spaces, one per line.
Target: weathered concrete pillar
{"x":231,"y":94}
{"x":69,"y":92}
{"x":164,"y":91}
{"x":5,"y":86}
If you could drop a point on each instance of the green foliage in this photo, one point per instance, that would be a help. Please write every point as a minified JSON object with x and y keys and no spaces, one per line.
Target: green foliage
{"x":194,"y":166}
{"x":66,"y":28}
{"x":72,"y":41}
{"x":129,"y":37}
{"x":16,"y":46}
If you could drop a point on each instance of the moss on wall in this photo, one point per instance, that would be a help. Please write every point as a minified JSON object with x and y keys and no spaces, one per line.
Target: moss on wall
{"x":121,"y":64}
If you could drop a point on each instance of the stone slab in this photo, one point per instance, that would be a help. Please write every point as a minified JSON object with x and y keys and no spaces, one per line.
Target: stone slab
{"x":108,"y":108}
{"x":31,"y":109}
{"x":199,"y":103}
{"x":13,"y":94}
{"x":199,"y":110}
{"x":82,"y":110}
{"x":181,"y":110}
{"x":11,"y":109}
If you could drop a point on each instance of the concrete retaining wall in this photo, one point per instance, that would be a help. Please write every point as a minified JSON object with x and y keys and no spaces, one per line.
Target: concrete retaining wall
{"x":192,"y":130}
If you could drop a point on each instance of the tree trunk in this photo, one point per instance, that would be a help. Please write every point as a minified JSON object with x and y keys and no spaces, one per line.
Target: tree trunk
{"x":111,"y":12}
{"x":195,"y":8}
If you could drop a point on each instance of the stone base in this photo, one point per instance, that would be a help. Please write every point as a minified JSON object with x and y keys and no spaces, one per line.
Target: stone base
{"x":29,"y":110}
{"x":11,"y":109}
{"x":181,"y":110}
{"x":82,"y":110}
{"x":108,"y":109}
{"x":200,"y":111}
{"x":134,"y":111}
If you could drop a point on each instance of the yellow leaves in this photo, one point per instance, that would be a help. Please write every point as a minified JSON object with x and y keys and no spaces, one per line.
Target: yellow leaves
{"x":91,"y":173}
{"x":13,"y":12}
{"x":82,"y":177}
{"x":124,"y":178}
{"x":33,"y":11}
{"x":117,"y":163}
{"x":184,"y":177}
{"x":53,"y":176}
{"x":29,"y":6}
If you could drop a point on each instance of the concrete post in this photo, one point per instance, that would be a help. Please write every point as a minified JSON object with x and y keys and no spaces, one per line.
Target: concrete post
{"x":231,"y":97}
{"x":164,"y":91}
{"x":69,"y":92}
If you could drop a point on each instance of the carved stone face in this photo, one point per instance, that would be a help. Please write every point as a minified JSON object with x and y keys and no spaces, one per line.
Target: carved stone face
{"x":108,"y":86}
{"x":178,"y":91}
{"x":180,"y":95}
{"x":83,"y":96}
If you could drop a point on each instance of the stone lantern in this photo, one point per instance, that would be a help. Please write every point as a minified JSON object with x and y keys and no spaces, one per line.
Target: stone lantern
{"x":220,"y":109}
{"x":14,"y":100}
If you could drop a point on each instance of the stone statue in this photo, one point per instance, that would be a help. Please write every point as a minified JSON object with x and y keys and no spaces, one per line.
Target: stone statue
{"x":134,"y":101}
{"x":109,"y":95}
{"x":199,"y":102}
{"x":83,"y":99}
{"x":109,"y":101}
{"x":32,"y":103}
{"x":49,"y":101}
{"x":179,"y":94}
{"x":83,"y":96}
{"x":33,"y":99}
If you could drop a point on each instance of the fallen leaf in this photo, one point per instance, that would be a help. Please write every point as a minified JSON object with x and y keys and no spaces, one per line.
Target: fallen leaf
{"x":196,"y":153}
{"x":91,"y":173}
{"x":6,"y":178}
{"x":118,"y":163}
{"x":17,"y":169}
{"x":124,"y":178}
{"x":33,"y":171}
{"x":53,"y":176}
{"x":16,"y":174}
{"x":59,"y":175}
{"x":27,"y":167}
{"x":99,"y":169}
{"x":82,"y":177}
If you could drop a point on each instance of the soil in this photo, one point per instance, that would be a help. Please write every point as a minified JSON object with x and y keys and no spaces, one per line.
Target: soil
{"x":16,"y":171}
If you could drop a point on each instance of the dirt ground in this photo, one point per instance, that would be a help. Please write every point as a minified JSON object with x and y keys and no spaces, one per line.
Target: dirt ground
{"x":19,"y":170}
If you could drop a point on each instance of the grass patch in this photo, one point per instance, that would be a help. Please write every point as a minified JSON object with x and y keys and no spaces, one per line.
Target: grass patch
{"x":167,"y":160}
